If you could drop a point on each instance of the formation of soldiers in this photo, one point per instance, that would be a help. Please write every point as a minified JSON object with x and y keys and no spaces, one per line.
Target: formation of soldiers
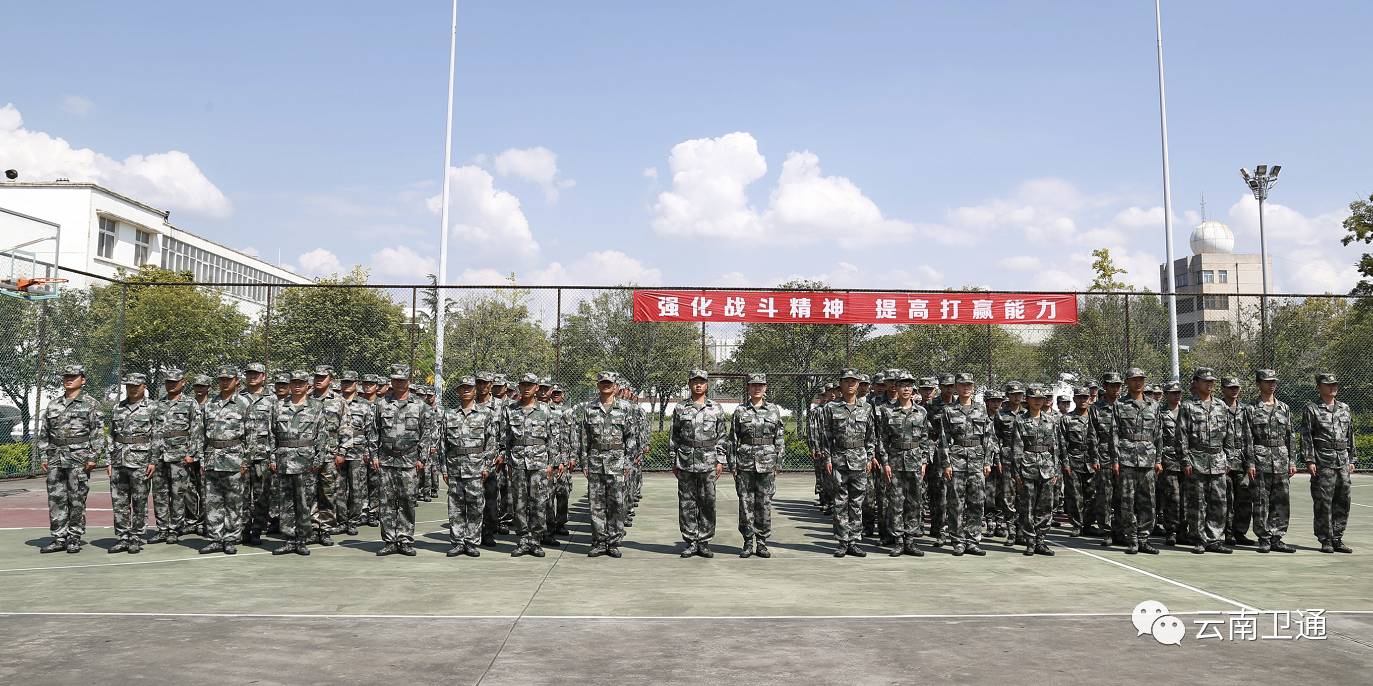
{"x":898,"y":458}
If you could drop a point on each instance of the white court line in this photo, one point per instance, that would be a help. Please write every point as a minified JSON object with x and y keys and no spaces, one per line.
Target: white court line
{"x":217,"y":556}
{"x":1159,"y":577}
{"x":608,"y":618}
{"x":1360,"y":505}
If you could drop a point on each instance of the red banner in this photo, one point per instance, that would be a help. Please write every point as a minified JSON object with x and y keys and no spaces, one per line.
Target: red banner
{"x":839,"y":307}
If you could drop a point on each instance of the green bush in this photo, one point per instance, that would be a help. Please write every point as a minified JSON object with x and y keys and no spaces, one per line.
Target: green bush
{"x":14,"y":459}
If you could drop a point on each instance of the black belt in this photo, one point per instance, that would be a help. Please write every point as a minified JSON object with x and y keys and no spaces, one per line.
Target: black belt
{"x":525,"y":441}
{"x":845,"y":445}
{"x":707,"y":444}
{"x":296,"y":443}
{"x":1272,"y":443}
{"x":901,"y":445}
{"x":133,"y":440}
{"x":1138,"y":437}
{"x":968,"y":442}
{"x":1326,"y":445}
{"x":1037,"y":452}
{"x":175,"y":434}
{"x":393,"y":451}
{"x":474,"y":450}
{"x":1209,"y":449}
{"x":71,"y":440}
{"x":226,"y":443}
{"x":750,"y":440}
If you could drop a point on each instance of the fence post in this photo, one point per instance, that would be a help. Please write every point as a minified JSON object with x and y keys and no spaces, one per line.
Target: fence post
{"x":414,"y":322}
{"x":558,"y":332}
{"x":1128,"y":358}
{"x":267,"y":333}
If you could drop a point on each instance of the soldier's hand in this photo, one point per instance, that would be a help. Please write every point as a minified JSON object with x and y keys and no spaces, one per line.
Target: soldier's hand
{"x":718,"y":468}
{"x":109,"y":470}
{"x":1253,"y":473}
{"x":1291,"y":470}
{"x":43,"y":465}
{"x":676,"y":472}
{"x":1187,"y":471}
{"x":376,"y":464}
{"x":1311,"y":469}
{"x":149,"y":473}
{"x":243,"y":471}
{"x":419,"y":465}
{"x":1351,"y":466}
{"x":886,"y":469}
{"x":338,"y":461}
{"x":1096,"y":468}
{"x":987,"y":471}
{"x":90,"y":464}
{"x":445,"y":478}
{"x":1053,"y":481}
{"x":1158,"y":468}
{"x":922,"y":471}
{"x":188,"y":459}
{"x":829,"y":467}
{"x":1115,"y":467}
{"x":549,"y":471}
{"x":272,"y":466}
{"x":948,"y":472}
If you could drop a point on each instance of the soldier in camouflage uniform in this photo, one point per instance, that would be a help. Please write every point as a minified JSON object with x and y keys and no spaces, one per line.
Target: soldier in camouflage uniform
{"x":228,"y":436}
{"x":1238,"y":508}
{"x":467,"y":450}
{"x":966,"y":450}
{"x":1035,"y":444}
{"x":358,"y":443}
{"x":935,"y":481}
{"x":606,"y":441}
{"x":134,"y":446}
{"x":566,"y":463}
{"x":529,"y":434}
{"x":850,"y":441}
{"x":324,"y":482}
{"x":183,"y":435}
{"x":432,"y":462}
{"x":491,"y":498}
{"x":904,"y":451}
{"x":1268,"y":431}
{"x":1004,"y":423}
{"x":1203,"y":426}
{"x":504,"y":509}
{"x":697,"y":446}
{"x":874,"y":521}
{"x":1074,"y":430}
{"x":813,"y":416}
{"x":1172,"y":510}
{"x":1101,"y":422}
{"x":71,"y":441}
{"x":370,"y":392}
{"x":280,"y":512}
{"x":1327,"y":434}
{"x":257,"y":489}
{"x":405,"y":436}
{"x":995,"y":513}
{"x":756,"y":444}
{"x":195,"y":471}
{"x":302,"y":447}
{"x":1136,"y":451}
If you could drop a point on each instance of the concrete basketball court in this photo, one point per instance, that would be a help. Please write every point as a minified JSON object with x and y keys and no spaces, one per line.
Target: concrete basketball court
{"x":343,"y":615}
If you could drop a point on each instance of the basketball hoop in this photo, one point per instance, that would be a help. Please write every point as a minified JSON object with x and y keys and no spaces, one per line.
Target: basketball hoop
{"x":31,"y":288}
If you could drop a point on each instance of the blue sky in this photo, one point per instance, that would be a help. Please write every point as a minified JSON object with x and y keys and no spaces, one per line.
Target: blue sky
{"x":902,"y":144}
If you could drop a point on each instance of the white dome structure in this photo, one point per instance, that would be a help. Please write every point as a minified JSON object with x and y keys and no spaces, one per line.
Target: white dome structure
{"x":1212,"y":237}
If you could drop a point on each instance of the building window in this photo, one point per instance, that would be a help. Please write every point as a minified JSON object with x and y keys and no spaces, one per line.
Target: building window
{"x":1217,"y":328}
{"x":142,"y":247}
{"x":1180,"y":278}
{"x":1186,"y":305}
{"x":1208,"y":276}
{"x":1216,"y":302}
{"x":1186,"y":330}
{"x":109,"y":230}
{"x":1223,"y":276}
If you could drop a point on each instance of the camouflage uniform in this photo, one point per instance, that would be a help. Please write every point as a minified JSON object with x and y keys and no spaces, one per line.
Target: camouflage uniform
{"x":1006,"y":493}
{"x":935,"y":485}
{"x":227,"y":437}
{"x":134,"y":444}
{"x":1174,"y":507}
{"x":562,"y":478}
{"x":696,"y":443}
{"x":405,"y":435}
{"x":1074,"y":432}
{"x":1035,"y":442}
{"x":1101,"y":423}
{"x":302,"y":446}
{"x":814,"y":415}
{"x":324,"y":482}
{"x":195,"y":471}
{"x":70,"y":437}
{"x":1327,"y":434}
{"x":966,"y":446}
{"x":358,"y":443}
{"x":467,"y":451}
{"x":757,"y":443}
{"x":1268,"y":451}
{"x":605,"y":441}
{"x":373,"y":507}
{"x":529,"y":435}
{"x":431,"y":463}
{"x":849,"y":442}
{"x":636,"y":473}
{"x":183,"y":435}
{"x":1136,"y":443}
{"x":904,"y":447}
{"x":257,"y":491}
{"x":1201,"y":435}
{"x":1238,"y":507}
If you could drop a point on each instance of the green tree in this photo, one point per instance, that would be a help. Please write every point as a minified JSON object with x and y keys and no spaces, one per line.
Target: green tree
{"x":494,"y":331}
{"x":1106,"y":272}
{"x":344,"y":324}
{"x":1359,"y":228}
{"x":48,"y":332}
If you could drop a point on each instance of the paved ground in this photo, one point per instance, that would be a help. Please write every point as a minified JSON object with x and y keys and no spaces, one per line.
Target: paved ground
{"x":343,"y":615}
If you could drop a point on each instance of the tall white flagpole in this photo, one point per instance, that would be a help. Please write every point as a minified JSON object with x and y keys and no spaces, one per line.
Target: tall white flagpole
{"x":1170,"y":290}
{"x":443,"y":229}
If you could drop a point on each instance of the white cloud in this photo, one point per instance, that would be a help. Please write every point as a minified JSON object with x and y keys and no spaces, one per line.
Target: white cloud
{"x":595,"y":268}
{"x":1020,"y":263}
{"x":732,"y":280}
{"x":484,"y":219}
{"x":650,"y":173}
{"x":170,"y":180}
{"x":76,"y":105}
{"x":320,"y":262}
{"x":249,"y":250}
{"x":537,"y":165}
{"x":847,"y":274}
{"x":403,"y":263}
{"x":1305,"y":252}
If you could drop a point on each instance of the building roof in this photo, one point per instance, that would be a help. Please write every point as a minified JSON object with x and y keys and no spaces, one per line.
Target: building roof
{"x":1212,"y":236}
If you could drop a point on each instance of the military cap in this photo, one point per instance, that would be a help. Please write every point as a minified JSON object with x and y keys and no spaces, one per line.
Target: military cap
{"x":301,"y":375}
{"x":1134,"y":373}
{"x":400,"y":371}
{"x":964,"y":377}
{"x":201,"y":380}
{"x":1172,"y":387}
{"x":426,"y":389}
{"x":993,"y":394}
{"x":1265,"y":375}
{"x":946,"y":379}
{"x":486,"y":376}
{"x":1064,"y":399}
{"x":255,"y":367}
{"x":698,"y":373}
{"x":1014,"y":387}
{"x":1327,"y":377}
{"x":1153,"y":388}
{"x":903,"y":376}
{"x":467,"y":381}
{"x":607,"y":376}
{"x":928,"y":382}
{"x":73,"y":370}
{"x":1230,"y":382}
{"x":348,"y":375}
{"x":1036,"y":391}
{"x":228,"y":371}
{"x":135,"y":379}
{"x":849,"y":373}
{"x":545,"y":382}
{"x":324,"y":370}
{"x":1091,"y":383}
{"x":1080,"y":391}
{"x":879,"y":377}
{"x":529,"y":378}
{"x":282,"y":378}
{"x":555,"y":389}
{"x":864,"y":378}
{"x":1204,"y":374}
{"x":832,"y":386}
{"x":173,"y":374}
{"x":757,"y":377}
{"x":499,"y":380}
{"x":1111,"y":377}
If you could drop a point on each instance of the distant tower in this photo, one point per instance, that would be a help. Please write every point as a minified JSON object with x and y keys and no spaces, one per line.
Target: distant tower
{"x":1215,"y":284}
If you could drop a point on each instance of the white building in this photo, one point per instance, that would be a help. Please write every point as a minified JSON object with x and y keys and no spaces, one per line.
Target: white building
{"x":1217,"y":288}
{"x":103,"y":232}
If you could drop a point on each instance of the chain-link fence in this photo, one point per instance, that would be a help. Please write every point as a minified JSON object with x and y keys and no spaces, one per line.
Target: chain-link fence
{"x":150,"y":321}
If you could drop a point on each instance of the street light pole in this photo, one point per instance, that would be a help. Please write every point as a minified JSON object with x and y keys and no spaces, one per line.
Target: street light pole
{"x":1171,"y":288}
{"x":1259,"y":181}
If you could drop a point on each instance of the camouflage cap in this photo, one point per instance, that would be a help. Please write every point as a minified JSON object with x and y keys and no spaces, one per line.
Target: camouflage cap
{"x":283,"y":377}
{"x":757,"y":377}
{"x":529,"y":378}
{"x":1080,"y":391}
{"x":426,"y":389}
{"x":499,"y":380}
{"x":173,"y":374}
{"x":228,"y":371}
{"x":555,"y":389}
{"x":545,"y":382}
{"x":73,"y":370}
{"x":1230,"y":382}
{"x":1134,"y":373}
{"x":849,"y":373}
{"x":1172,"y":387}
{"x":255,"y":367}
{"x":879,"y":377}
{"x":1091,"y":383}
{"x":698,"y":373}
{"x":1327,"y":377}
{"x":993,"y":394}
{"x":904,"y":376}
{"x":946,"y":379}
{"x":348,"y":375}
{"x":1036,"y":391}
{"x":864,"y":379}
{"x":1204,"y":374}
{"x":201,"y":380}
{"x":928,"y":382}
{"x":832,"y":386}
{"x":467,"y":381}
{"x":301,"y":375}
{"x":399,"y":371}
{"x":486,"y":376}
{"x":135,"y":379}
{"x":607,"y":375}
{"x":1063,"y":399}
{"x":1265,"y":375}
{"x":324,"y":370}
{"x":964,"y":377}
{"x":1014,"y":387}
{"x":1111,"y":377}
